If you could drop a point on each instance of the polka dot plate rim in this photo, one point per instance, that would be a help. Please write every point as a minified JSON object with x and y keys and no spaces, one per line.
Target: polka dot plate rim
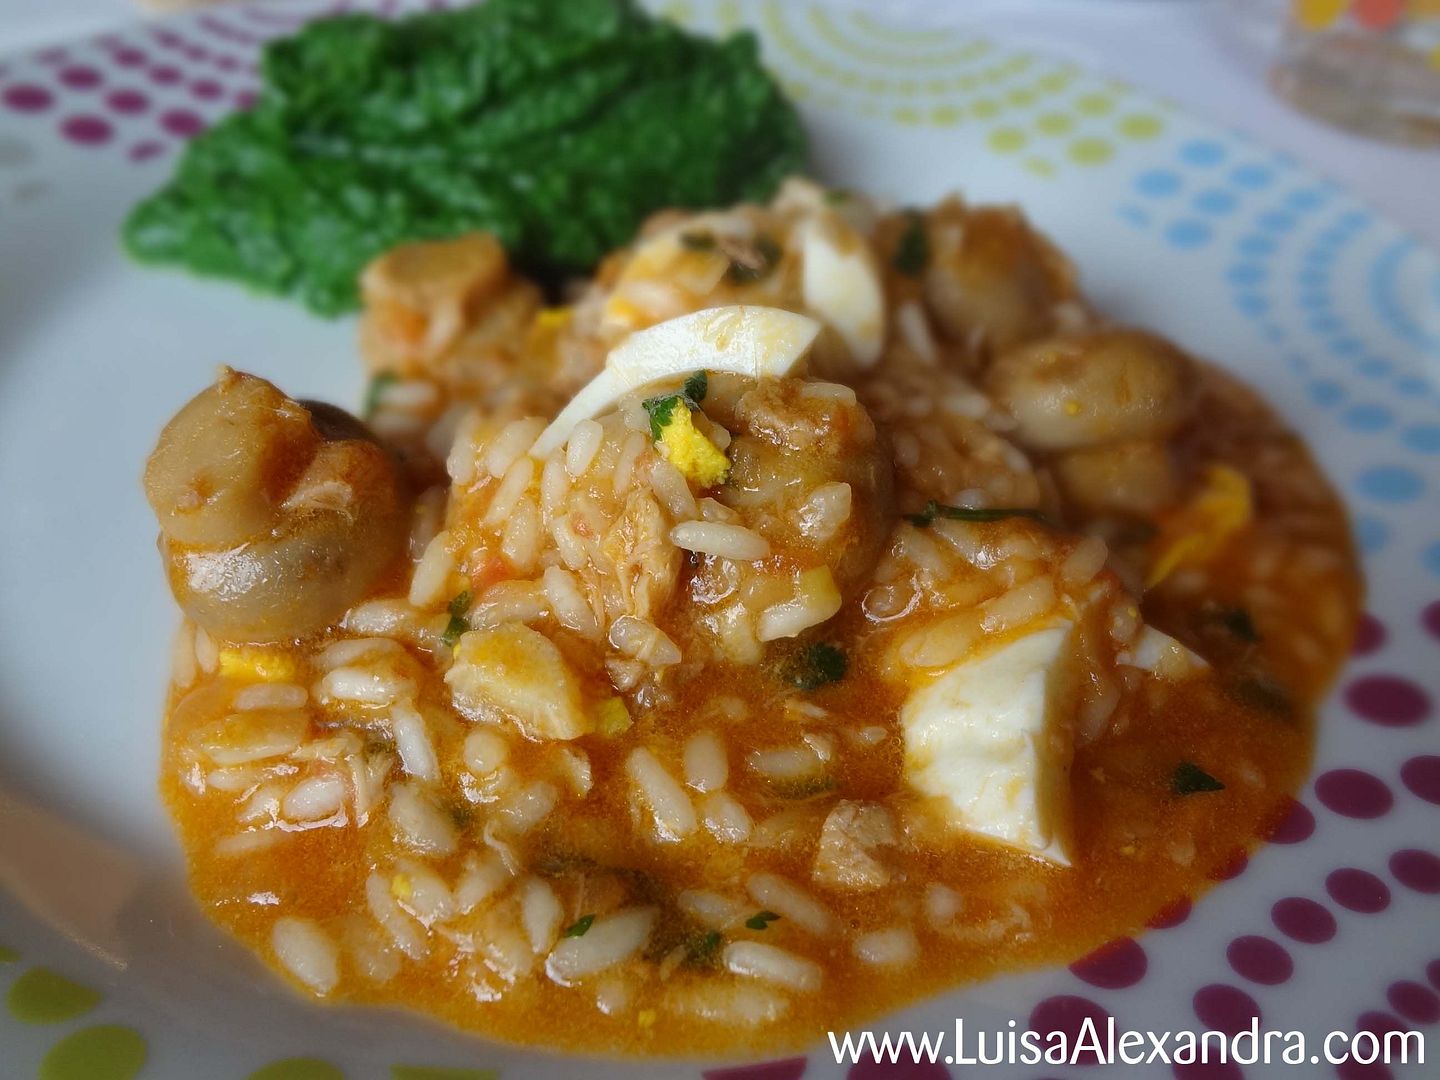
{"x":1240,"y":253}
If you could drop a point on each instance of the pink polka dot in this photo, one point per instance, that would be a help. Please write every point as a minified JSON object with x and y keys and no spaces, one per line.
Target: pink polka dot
{"x":1358,"y":890}
{"x":128,"y":102}
{"x":1378,"y":1023}
{"x":145,"y":150}
{"x":1114,"y":966}
{"x":169,"y":39}
{"x":226,"y":63}
{"x":27,"y":97}
{"x":87,"y":130}
{"x":1207,"y":1070}
{"x":165,"y":75}
{"x":1225,"y":1008}
{"x":1354,"y":1070}
{"x":1432,"y":972}
{"x":246,"y":99}
{"x":1369,"y":635}
{"x":1414,"y":1001}
{"x":1353,"y":793}
{"x":129,"y":57}
{"x":54,"y":55}
{"x":789,"y":1069}
{"x":1172,"y":914}
{"x":1304,"y":920}
{"x":904,"y":1069}
{"x":80,"y":77}
{"x":1430,"y":619}
{"x":1260,"y":960}
{"x":196,"y":53}
{"x":182,"y":122}
{"x":1067,"y":1013}
{"x":1231,"y":868}
{"x":1416,"y":869}
{"x":1388,"y":700}
{"x":1422,"y":776}
{"x":206,"y":89}
{"x":1297,"y":824}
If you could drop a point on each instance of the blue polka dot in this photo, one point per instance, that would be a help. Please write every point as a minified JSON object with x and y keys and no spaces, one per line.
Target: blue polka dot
{"x":1372,"y":533}
{"x":1135,"y":215}
{"x":1298,"y":363}
{"x":1391,"y":483}
{"x":1157,"y":183}
{"x":1422,"y":438}
{"x":1326,"y":393}
{"x":1367,"y":417}
{"x":1277,"y":221}
{"x":1412,"y":384}
{"x":1248,"y":273}
{"x":1257,"y":244}
{"x":1273,"y":332}
{"x":1432,"y":559}
{"x":1188,"y":234}
{"x":1203,"y":152}
{"x":1252,"y":177}
{"x":1345,"y":346}
{"x":1304,"y":199}
{"x":1355,"y":220}
{"x":1215,"y":201}
{"x":1375,"y":367}
{"x":1314,"y":298}
{"x":1252,"y":303}
{"x":1324,"y":324}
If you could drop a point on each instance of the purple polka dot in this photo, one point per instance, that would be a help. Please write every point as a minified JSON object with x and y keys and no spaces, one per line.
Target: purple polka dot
{"x":1231,"y":868}
{"x":904,"y":1069}
{"x":1369,"y":635}
{"x":1358,"y":890}
{"x":1432,"y":972}
{"x":1114,"y":966}
{"x":1378,"y":1023}
{"x":1225,"y":1008}
{"x":1354,"y":794}
{"x":246,"y":99}
{"x":1430,"y":619}
{"x":1260,"y":960}
{"x":52,"y":56}
{"x":789,"y":1069}
{"x":145,"y":150}
{"x":128,"y":102}
{"x":129,"y":57}
{"x":1297,"y":824}
{"x":206,"y":89}
{"x":226,"y":63}
{"x":1304,"y":920}
{"x":1422,"y":776}
{"x":182,"y":123}
{"x":27,"y":97}
{"x":1355,"y":1070}
{"x":165,"y":75}
{"x":1067,"y":1013}
{"x":169,"y":39}
{"x":1172,"y":914}
{"x":196,"y":53}
{"x":80,"y":78}
{"x":1414,"y":1001}
{"x":1207,"y":1070}
{"x":87,"y":130}
{"x":1388,"y":700}
{"x":1416,"y":869}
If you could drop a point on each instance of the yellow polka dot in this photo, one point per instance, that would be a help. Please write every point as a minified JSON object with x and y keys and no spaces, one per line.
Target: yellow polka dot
{"x":1141,"y":126}
{"x":1054,"y":123}
{"x":1095,"y":104}
{"x":936,"y":86}
{"x":985,"y":108}
{"x":945,"y":115}
{"x":1317,"y":14}
{"x":1090,"y":151}
{"x":1007,"y":140}
{"x":876,"y":86}
{"x":907,"y":88}
{"x":1435,"y":58}
{"x":1021,"y":97}
{"x":1040,"y":166}
{"x":1053,"y":83}
{"x":848,"y":78}
{"x":906,"y":115}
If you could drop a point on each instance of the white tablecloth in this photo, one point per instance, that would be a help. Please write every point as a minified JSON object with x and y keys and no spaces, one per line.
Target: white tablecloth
{"x":1183,"y":49}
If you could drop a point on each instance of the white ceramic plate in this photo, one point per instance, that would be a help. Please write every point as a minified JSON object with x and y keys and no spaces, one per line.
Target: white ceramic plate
{"x":107,"y":967}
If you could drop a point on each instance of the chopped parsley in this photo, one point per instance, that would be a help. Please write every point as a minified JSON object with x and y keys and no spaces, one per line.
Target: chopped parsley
{"x":703,"y":950}
{"x":1263,"y":691}
{"x":1190,"y":779}
{"x":761,"y":919}
{"x":458,"y":624}
{"x":935,"y":510}
{"x":817,"y":666}
{"x":1236,"y":621}
{"x":696,"y":387}
{"x":375,"y":391}
{"x":698,"y":241}
{"x":838,"y":196}
{"x":661,"y":409}
{"x":580,"y":927}
{"x":912,"y":253}
{"x":754,"y":262}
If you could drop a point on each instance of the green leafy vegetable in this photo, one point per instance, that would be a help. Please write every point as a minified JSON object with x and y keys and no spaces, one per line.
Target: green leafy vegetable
{"x":935,"y":510}
{"x":556,"y":125}
{"x":753,"y":262}
{"x":454,"y":630}
{"x":837,"y":197}
{"x":697,"y":241}
{"x":696,"y":387}
{"x":460,"y":604}
{"x":661,"y":409}
{"x":1190,"y":779}
{"x":817,"y":666}
{"x":761,"y":919}
{"x":580,"y":927}
{"x":912,"y":253}
{"x":703,"y":950}
{"x":375,"y":391}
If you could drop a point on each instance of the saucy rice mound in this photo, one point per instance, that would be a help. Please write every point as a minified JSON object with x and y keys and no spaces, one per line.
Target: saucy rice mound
{"x":950,"y":629}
